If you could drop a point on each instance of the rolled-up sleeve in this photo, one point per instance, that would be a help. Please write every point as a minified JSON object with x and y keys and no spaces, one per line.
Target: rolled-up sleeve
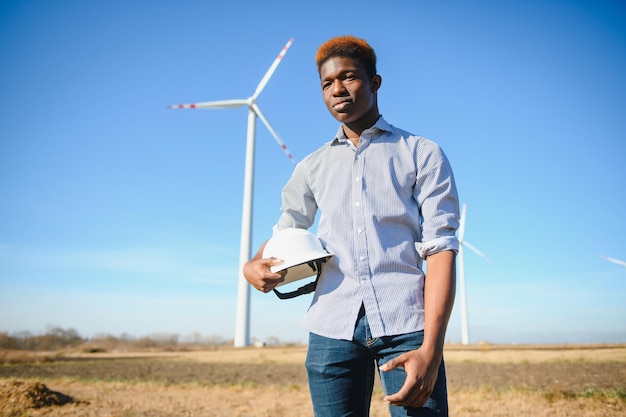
{"x":436,"y":194}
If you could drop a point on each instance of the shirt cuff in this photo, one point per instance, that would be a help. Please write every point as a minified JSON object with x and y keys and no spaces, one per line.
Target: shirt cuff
{"x":425,"y":249}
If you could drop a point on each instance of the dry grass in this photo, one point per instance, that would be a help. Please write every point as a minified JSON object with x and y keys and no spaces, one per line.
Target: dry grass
{"x":453,"y":353}
{"x":265,"y":397}
{"x":266,"y":355}
{"x":519,"y":403}
{"x":535,"y":353}
{"x":146,"y":399}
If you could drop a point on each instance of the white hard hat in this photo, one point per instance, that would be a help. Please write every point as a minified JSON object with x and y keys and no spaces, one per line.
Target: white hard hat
{"x":298,"y":248}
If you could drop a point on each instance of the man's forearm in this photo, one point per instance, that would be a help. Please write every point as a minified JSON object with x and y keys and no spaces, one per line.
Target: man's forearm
{"x":439,"y":293}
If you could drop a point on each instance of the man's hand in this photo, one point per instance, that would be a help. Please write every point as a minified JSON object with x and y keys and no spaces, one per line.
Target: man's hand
{"x":257,"y":272}
{"x":421,"y":375}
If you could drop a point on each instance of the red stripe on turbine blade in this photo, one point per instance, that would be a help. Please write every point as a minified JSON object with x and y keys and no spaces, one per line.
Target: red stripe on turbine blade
{"x":182,"y":106}
{"x":284,"y":51}
{"x":289,"y":155}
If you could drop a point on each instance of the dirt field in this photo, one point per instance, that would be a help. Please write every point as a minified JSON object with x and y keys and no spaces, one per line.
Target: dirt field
{"x":502,"y":381}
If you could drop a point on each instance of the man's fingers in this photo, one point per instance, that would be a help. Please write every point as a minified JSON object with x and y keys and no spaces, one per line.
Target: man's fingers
{"x":268,"y":284}
{"x":407,"y":396}
{"x":268,"y":279}
{"x":273,"y":261}
{"x":392,"y":364}
{"x":399,"y":397}
{"x":413,"y":392}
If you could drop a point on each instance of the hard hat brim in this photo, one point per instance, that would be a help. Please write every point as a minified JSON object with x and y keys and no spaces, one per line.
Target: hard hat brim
{"x":299,"y":270}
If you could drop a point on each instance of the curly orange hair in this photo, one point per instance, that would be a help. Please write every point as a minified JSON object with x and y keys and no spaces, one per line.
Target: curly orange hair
{"x":348,"y":46}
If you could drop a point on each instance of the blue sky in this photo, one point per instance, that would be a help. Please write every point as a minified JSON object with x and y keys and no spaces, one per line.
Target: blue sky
{"x":119,"y":215}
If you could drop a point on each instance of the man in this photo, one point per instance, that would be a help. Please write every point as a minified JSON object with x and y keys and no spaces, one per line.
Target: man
{"x":387,"y":201}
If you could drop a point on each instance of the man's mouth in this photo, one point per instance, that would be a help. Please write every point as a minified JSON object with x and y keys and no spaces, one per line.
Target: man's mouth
{"x":341,"y":105}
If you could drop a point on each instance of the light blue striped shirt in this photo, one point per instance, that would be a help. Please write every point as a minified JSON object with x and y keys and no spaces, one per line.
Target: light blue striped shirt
{"x":384,"y":207}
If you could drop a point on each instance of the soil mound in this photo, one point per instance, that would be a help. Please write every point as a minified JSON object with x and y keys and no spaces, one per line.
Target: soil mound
{"x":18,"y":396}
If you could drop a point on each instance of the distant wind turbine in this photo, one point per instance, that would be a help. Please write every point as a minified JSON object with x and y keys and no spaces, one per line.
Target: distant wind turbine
{"x":463,"y":243}
{"x":615,"y":261}
{"x":242,"y":322}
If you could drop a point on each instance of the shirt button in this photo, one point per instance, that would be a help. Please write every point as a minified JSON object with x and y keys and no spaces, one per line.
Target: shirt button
{"x":357,"y":203}
{"x":359,"y":230}
{"x":357,"y":179}
{"x":362,"y":257}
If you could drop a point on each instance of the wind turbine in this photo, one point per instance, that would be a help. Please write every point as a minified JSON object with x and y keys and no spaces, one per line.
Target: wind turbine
{"x":242,"y":321}
{"x":615,"y":261}
{"x":463,"y":243}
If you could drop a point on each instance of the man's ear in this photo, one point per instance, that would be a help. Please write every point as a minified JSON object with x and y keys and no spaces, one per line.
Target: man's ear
{"x":376,"y":81}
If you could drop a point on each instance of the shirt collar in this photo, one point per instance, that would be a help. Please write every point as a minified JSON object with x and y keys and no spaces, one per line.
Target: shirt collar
{"x":380,"y":126}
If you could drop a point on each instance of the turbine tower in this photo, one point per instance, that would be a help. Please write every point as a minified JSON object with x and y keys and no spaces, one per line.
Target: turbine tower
{"x":463,"y":243}
{"x":615,"y":261}
{"x":242,"y":321}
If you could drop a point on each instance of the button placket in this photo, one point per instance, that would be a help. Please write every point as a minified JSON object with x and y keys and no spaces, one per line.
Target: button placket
{"x":360,"y":236}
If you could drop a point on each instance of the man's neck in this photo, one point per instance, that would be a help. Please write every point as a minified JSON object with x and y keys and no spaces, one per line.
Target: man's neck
{"x":354,"y":130}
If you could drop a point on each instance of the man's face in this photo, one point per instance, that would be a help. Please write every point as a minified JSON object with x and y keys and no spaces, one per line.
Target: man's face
{"x":348,"y":93}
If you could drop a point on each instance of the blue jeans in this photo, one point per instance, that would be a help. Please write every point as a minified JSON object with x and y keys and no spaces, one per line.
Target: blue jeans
{"x":341,"y":374}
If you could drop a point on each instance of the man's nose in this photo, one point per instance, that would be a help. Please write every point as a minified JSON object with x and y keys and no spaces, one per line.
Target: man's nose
{"x":338,"y":88}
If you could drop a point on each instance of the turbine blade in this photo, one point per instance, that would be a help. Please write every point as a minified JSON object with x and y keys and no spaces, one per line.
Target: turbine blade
{"x":473,"y":248}
{"x":271,"y":70}
{"x":269,"y":127}
{"x":222,"y":104}
{"x":615,"y":261}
